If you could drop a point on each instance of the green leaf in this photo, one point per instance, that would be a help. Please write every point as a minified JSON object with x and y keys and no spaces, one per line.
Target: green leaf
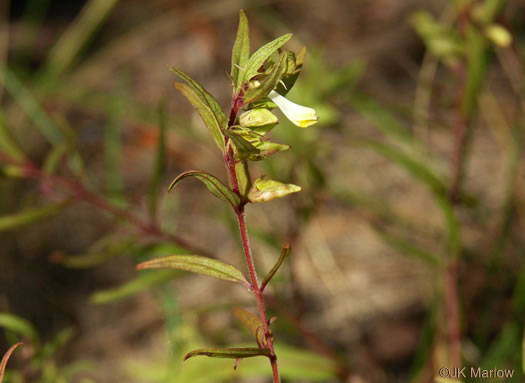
{"x":266,"y":190}
{"x":5,"y":359}
{"x":267,"y":84}
{"x":477,"y":65}
{"x":294,"y":65}
{"x":78,"y":35}
{"x":242,"y":148}
{"x":100,"y":252}
{"x":523,"y":353}
{"x":205,"y":113}
{"x":142,"y":282}
{"x":229,"y":353}
{"x":20,"y":326}
{"x":285,"y":252}
{"x":30,"y":216}
{"x":112,"y":146}
{"x":31,"y":107}
{"x":416,"y":168}
{"x":196,"y":264}
{"x":258,"y":120}
{"x":261,"y":55}
{"x":159,"y":166}
{"x":243,"y":177}
{"x":215,"y":112}
{"x":252,"y":323}
{"x":408,"y":248}
{"x":241,"y":50}
{"x":266,"y":149}
{"x":54,"y":158}
{"x":216,"y":187}
{"x":8,"y":143}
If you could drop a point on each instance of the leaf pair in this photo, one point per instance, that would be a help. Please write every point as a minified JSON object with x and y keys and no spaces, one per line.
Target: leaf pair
{"x":245,"y":67}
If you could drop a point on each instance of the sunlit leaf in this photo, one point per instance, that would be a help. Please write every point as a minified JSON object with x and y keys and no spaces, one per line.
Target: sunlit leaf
{"x":242,"y":148}
{"x":243,"y":177}
{"x":229,"y":353}
{"x":241,"y":50}
{"x":261,"y":55}
{"x":258,"y":120}
{"x":266,"y":190}
{"x":208,"y":106}
{"x":285,"y":252}
{"x":268,"y":83}
{"x":196,"y":264}
{"x":30,"y":216}
{"x":142,"y":282}
{"x":5,"y":359}
{"x":216,"y":187}
{"x":252,"y":323}
{"x":205,"y":112}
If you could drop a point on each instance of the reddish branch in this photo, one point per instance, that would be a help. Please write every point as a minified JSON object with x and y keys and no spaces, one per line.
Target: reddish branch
{"x":81,"y":193}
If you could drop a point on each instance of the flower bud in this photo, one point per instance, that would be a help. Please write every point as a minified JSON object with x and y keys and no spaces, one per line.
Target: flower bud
{"x":259,"y":120}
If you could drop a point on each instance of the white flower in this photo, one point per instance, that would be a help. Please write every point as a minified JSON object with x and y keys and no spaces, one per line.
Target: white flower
{"x":301,"y":116}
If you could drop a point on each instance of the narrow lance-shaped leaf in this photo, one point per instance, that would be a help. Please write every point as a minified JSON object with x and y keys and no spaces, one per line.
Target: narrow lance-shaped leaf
{"x":216,"y":187}
{"x":241,"y":50}
{"x":207,"y":99}
{"x":30,"y":216}
{"x":243,"y":149}
{"x":285,"y":252}
{"x":243,"y":177}
{"x":5,"y":359}
{"x":229,"y":353}
{"x":252,"y":323}
{"x":31,"y":107}
{"x":141,"y":283}
{"x":269,"y":83}
{"x":205,"y":112}
{"x":159,"y":167}
{"x":196,"y":264}
{"x":267,"y":190}
{"x":19,"y":326}
{"x":261,"y":55}
{"x":8,"y":143}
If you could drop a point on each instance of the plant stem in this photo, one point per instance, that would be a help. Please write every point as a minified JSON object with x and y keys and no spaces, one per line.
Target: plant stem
{"x":257,"y":293}
{"x":229,"y":162}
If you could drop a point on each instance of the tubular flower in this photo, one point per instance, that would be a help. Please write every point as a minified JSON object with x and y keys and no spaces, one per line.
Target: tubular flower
{"x":301,"y":116}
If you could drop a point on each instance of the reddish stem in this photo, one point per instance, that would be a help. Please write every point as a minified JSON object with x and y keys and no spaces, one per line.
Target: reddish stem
{"x":229,"y":161}
{"x":257,"y":293}
{"x":81,"y":193}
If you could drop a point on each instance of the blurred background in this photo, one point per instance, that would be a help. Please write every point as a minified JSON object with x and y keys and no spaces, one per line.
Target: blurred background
{"x":408,"y":246}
